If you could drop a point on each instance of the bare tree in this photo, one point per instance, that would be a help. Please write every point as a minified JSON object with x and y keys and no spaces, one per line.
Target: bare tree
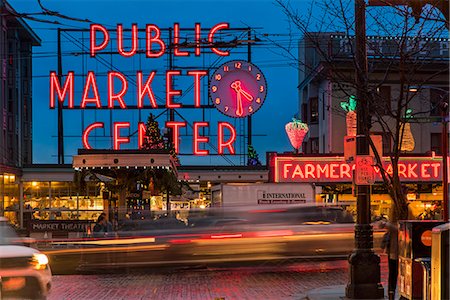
{"x":403,"y":48}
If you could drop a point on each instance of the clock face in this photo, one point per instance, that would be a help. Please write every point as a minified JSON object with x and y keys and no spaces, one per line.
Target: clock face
{"x":238,"y":88}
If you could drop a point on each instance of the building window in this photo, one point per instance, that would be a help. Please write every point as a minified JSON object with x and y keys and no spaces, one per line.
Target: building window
{"x":313,"y":110}
{"x":436,"y":140}
{"x":437,"y":96}
{"x":384,"y":105}
{"x":304,"y":113}
{"x":387,"y":143}
{"x":314,"y":145}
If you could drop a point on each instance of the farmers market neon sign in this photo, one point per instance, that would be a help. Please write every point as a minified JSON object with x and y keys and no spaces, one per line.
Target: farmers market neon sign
{"x":335,"y":169}
{"x":62,"y":91}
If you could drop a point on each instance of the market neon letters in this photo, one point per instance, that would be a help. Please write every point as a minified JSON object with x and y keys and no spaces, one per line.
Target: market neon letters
{"x":59,"y":91}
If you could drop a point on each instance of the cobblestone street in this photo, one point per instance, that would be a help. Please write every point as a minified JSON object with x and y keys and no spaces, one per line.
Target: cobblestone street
{"x":268,"y":282}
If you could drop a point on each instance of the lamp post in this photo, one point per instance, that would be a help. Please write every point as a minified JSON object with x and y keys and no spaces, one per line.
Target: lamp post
{"x":364,"y":263}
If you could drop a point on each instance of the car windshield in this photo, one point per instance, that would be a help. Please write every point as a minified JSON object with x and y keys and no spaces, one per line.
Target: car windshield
{"x":7,"y":234}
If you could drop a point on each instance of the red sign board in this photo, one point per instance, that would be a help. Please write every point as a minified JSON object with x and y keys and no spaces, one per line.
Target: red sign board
{"x":364,"y":170}
{"x":336,"y":170}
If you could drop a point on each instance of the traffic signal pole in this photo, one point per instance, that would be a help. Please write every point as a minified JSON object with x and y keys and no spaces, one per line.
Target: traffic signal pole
{"x":364,"y":281}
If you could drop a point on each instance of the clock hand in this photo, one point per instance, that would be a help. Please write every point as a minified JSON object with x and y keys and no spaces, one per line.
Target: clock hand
{"x":239,"y":110}
{"x":236,"y":86}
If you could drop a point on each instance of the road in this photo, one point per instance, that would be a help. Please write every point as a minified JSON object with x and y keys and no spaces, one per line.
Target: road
{"x":274,"y":281}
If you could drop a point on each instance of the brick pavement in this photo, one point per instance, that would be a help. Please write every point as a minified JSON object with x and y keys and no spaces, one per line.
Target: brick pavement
{"x":268,"y":282}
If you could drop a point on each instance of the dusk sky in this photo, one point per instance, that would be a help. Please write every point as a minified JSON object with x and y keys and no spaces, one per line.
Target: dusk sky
{"x":268,"y":126}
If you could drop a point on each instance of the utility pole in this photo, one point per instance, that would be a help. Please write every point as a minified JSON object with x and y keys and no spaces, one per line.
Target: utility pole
{"x":249,"y":118}
{"x":445,"y":117}
{"x":60,"y":107}
{"x":364,"y":263}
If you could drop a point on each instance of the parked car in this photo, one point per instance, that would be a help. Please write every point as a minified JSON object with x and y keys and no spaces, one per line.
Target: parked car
{"x":24,"y":271}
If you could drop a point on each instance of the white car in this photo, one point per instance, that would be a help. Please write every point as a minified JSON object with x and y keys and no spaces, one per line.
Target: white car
{"x":24,"y":271}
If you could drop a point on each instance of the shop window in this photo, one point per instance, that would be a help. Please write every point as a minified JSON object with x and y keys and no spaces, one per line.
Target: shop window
{"x":313,"y":110}
{"x":436,"y":140}
{"x":437,"y":97}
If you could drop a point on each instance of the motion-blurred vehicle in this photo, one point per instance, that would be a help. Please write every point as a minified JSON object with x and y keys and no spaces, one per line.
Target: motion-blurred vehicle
{"x":24,"y":271}
{"x":245,"y":234}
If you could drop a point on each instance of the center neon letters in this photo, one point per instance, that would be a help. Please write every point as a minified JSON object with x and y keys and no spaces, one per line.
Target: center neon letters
{"x":198,"y":139}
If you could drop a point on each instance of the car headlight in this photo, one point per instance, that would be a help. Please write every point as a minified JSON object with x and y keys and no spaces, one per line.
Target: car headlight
{"x":39,"y":261}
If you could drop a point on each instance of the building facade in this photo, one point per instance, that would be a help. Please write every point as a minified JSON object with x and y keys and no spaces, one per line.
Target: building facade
{"x":327,"y":86}
{"x":326,"y":78}
{"x":16,"y":42}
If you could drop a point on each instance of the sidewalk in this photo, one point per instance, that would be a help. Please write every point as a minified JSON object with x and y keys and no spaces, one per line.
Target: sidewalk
{"x":332,"y":292}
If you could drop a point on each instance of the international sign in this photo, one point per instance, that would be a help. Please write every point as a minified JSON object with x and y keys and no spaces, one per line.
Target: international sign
{"x":364,"y":172}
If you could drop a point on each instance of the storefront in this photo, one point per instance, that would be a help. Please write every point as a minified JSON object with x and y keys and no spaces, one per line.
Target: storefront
{"x":10,"y":195}
{"x":332,"y":175}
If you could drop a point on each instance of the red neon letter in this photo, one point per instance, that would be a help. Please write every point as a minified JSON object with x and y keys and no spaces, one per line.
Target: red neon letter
{"x":286,"y":170}
{"x":142,"y":128}
{"x":146,"y":89}
{"x":169,"y":92}
{"x":424,"y":172}
{"x":91,"y":81}
{"x":197,"y":75}
{"x":200,"y":139}
{"x":197,"y":39}
{"x":176,"y":41}
{"x":176,"y":133}
{"x":117,"y":138}
{"x":134,"y":40}
{"x":155,"y":39}
{"x":87,"y":131}
{"x":119,"y":96}
{"x":213,"y":31}
{"x":93,"y":34}
{"x":55,"y":84}
{"x":228,"y":144}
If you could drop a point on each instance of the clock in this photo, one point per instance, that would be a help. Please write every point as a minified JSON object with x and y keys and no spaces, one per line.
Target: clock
{"x":238,"y":88}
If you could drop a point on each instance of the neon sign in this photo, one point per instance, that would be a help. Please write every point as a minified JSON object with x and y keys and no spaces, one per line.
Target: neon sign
{"x":335,"y":169}
{"x":62,"y":89}
{"x":238,"y":88}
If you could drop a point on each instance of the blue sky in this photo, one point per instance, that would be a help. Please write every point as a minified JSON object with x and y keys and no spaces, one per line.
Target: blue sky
{"x":280,"y":105}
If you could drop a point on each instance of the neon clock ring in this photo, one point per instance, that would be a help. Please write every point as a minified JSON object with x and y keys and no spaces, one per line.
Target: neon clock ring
{"x":238,"y":88}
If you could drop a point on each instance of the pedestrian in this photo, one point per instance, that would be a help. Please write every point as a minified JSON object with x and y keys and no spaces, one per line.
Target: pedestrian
{"x":390,"y":245}
{"x":100,"y":227}
{"x":109,"y":226}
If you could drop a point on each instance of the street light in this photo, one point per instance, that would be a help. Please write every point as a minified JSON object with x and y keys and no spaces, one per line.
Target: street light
{"x":365,"y":275}
{"x":445,"y":117}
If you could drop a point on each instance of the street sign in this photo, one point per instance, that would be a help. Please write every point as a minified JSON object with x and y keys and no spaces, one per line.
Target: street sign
{"x":364,"y":174}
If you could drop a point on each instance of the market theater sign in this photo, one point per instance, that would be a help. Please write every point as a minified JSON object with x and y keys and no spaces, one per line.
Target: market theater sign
{"x":244,"y":87}
{"x":335,"y":169}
